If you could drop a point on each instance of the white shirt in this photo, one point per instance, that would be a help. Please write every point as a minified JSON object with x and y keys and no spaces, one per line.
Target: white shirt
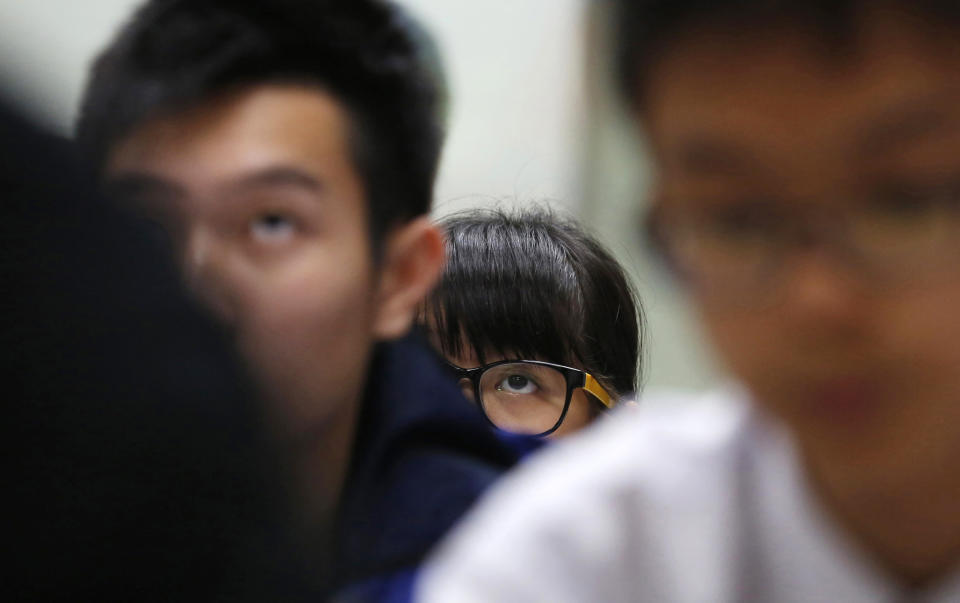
{"x":678,"y":501}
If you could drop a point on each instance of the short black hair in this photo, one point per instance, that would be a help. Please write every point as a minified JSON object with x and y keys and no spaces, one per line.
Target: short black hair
{"x":369,"y":55}
{"x":534,"y":284}
{"x":642,"y":28}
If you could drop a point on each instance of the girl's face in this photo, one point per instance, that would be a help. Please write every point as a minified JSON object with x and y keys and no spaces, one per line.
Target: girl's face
{"x":522,"y":385}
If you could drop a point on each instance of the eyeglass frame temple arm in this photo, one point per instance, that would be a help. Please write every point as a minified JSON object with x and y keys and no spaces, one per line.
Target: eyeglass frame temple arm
{"x":591,"y":385}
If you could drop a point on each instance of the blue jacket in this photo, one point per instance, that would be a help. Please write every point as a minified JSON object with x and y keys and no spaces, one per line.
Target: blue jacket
{"x":422,"y":456}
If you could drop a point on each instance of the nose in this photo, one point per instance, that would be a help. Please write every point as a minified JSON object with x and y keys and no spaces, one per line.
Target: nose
{"x":205,"y":272}
{"x":466,"y":386}
{"x":821,"y":289}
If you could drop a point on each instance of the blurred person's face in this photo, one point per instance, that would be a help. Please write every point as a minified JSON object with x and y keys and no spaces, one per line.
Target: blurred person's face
{"x":816,"y":191}
{"x":268,"y":216}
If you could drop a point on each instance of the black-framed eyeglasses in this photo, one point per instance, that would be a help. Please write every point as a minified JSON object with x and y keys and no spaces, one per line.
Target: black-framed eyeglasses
{"x":527,"y":396}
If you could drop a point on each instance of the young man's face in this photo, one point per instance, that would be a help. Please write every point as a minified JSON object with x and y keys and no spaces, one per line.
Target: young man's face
{"x":269,"y":219}
{"x":816,"y":191}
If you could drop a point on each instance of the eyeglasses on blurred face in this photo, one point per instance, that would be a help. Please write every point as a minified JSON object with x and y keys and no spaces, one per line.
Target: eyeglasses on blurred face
{"x":527,"y":396}
{"x":741,"y":250}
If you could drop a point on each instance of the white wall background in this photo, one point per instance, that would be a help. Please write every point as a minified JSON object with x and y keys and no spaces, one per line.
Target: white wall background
{"x":531,"y":119}
{"x":515,"y":72}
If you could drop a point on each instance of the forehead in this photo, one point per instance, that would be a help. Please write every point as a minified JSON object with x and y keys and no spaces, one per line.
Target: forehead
{"x":781,"y":94}
{"x":238,"y":132}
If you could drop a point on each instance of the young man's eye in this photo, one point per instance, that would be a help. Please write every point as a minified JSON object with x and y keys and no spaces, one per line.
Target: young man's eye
{"x":912,"y":201}
{"x":272,"y":228}
{"x":748,"y":220}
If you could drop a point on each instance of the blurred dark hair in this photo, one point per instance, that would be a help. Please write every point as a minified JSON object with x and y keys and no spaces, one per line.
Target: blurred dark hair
{"x":370,"y":55}
{"x":643,"y":28}
{"x":532,"y":284}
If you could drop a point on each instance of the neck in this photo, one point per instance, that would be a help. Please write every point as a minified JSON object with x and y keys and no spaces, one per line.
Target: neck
{"x":320,"y":462}
{"x":911,"y":528}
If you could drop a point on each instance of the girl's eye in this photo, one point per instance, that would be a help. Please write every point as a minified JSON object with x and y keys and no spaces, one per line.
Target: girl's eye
{"x":517,"y":384}
{"x":272,"y":228}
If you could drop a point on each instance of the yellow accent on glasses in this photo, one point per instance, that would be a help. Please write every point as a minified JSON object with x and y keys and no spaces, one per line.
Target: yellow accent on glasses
{"x":590,"y":384}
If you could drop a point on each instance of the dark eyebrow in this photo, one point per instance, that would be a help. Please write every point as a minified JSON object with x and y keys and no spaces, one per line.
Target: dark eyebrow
{"x":908,"y":122}
{"x":278,"y":176}
{"x":132,"y":185}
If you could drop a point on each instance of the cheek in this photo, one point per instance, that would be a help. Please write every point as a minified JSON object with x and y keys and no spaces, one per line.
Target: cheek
{"x":305,"y":329}
{"x":579,"y":415}
{"x":747,"y":342}
{"x":923,"y":329}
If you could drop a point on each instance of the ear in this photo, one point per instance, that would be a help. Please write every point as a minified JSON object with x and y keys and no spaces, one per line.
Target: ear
{"x":411,"y":263}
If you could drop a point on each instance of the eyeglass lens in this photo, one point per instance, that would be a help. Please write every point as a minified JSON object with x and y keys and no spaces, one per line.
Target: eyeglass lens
{"x":523,"y":397}
{"x":742,"y":246}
